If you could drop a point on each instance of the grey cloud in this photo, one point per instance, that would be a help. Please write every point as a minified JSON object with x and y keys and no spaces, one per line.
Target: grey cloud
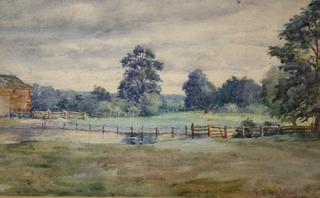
{"x":83,"y":41}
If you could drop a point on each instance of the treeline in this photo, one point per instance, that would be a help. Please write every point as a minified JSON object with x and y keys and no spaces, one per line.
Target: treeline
{"x":235,"y":95}
{"x":98,"y":100}
{"x":291,"y":91}
{"x":140,"y":92}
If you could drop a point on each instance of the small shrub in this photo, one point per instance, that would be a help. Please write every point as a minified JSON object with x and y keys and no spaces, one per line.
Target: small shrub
{"x":248,"y":122}
{"x":268,"y":123}
{"x":229,"y":108}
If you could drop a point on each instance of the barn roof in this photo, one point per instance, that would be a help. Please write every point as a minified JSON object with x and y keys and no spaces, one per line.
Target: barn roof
{"x":11,"y":81}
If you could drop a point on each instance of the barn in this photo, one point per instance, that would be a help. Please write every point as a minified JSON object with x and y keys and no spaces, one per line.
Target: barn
{"x":15,"y":95}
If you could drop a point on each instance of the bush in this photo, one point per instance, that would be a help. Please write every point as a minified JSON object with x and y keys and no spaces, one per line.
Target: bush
{"x":254,"y":108}
{"x":229,"y":108}
{"x":248,"y":122}
{"x":117,"y":105}
{"x":151,"y":104}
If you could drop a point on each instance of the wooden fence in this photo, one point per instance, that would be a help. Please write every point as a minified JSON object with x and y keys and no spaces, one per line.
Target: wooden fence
{"x":67,"y":114}
{"x":64,"y":114}
{"x":112,"y":114}
{"x":247,"y":131}
{"x":192,"y":131}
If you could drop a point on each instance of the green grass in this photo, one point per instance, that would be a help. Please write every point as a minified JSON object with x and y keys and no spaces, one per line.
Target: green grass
{"x":278,"y":166}
{"x":179,"y":119}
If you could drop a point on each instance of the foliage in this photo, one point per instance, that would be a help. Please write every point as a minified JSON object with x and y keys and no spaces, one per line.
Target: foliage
{"x":299,"y":94}
{"x":229,"y":108}
{"x":248,"y":122}
{"x":269,"y":123}
{"x":45,"y":98}
{"x":141,"y":75}
{"x":48,"y":98}
{"x":242,"y":92}
{"x":83,"y":103}
{"x":101,"y":93}
{"x":172,"y":103}
{"x":199,"y":91}
{"x":150,"y":104}
{"x":270,"y":85}
{"x":117,"y":105}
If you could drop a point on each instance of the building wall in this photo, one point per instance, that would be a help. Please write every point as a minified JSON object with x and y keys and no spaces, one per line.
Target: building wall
{"x":15,"y":99}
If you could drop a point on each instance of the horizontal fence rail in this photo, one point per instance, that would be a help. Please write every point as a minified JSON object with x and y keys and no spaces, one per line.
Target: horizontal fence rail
{"x":192,"y":130}
{"x":67,"y":114}
{"x":64,"y":114}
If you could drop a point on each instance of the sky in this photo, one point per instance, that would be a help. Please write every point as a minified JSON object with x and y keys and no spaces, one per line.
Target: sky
{"x":78,"y":44}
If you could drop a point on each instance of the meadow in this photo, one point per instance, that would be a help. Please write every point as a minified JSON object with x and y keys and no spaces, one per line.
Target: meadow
{"x":278,"y":166}
{"x":180,"y":119}
{"x":36,"y":161}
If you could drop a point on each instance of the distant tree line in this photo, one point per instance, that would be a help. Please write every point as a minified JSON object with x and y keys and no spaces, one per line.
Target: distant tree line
{"x":234,"y":94}
{"x":140,"y":92}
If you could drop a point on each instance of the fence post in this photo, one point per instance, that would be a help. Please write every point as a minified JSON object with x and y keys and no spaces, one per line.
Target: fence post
{"x":192,"y":130}
{"x":142,"y":133}
{"x":242,"y":132}
{"x":186,"y":130}
{"x":279,"y":129}
{"x":172,"y":132}
{"x":131,"y":129}
{"x":261,"y":131}
{"x":49,"y":114}
{"x":157,"y":131}
{"x":117,"y":130}
{"x":225,"y":132}
{"x":65,"y":114}
{"x":64,"y":127}
{"x":208,"y":130}
{"x":102,"y":128}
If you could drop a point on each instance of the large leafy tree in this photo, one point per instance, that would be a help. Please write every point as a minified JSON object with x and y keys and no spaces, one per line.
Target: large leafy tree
{"x":141,"y":75}
{"x":299,"y":93}
{"x":242,"y":92}
{"x":199,"y":91}
{"x":270,"y":85}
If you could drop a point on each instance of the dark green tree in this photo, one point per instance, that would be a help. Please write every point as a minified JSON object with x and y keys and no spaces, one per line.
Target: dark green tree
{"x":141,"y":75}
{"x":101,"y":93}
{"x":242,"y":92}
{"x":199,"y":91}
{"x":45,"y":98}
{"x":299,"y":93}
{"x":269,"y":91}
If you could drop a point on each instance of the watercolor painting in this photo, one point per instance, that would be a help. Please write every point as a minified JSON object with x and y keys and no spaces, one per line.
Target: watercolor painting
{"x":160,"y":98}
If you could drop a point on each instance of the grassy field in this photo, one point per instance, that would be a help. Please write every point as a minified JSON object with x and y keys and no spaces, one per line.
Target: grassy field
{"x":180,"y":119}
{"x":278,"y":166}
